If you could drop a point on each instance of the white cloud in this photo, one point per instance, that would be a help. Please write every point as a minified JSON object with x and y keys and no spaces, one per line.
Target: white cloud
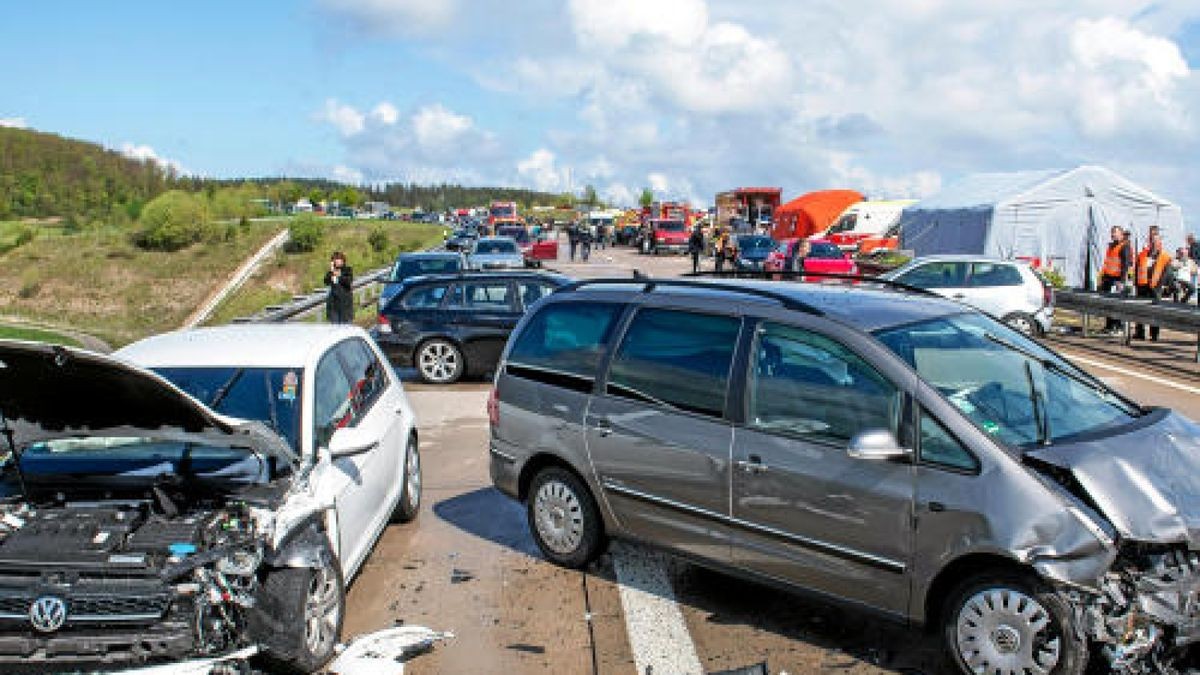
{"x":1124,"y":73}
{"x":540,"y":171}
{"x":346,"y":174}
{"x":437,"y":128}
{"x":345,"y":118}
{"x":144,"y":153}
{"x":13,"y":122}
{"x":392,"y":17}
{"x":386,"y":113}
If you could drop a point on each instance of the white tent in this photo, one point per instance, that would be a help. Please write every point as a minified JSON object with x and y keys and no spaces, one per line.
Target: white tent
{"x":1060,"y":218}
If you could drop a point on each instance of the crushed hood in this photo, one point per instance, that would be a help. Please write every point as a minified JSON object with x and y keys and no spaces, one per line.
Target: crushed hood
{"x":1146,"y":481}
{"x":49,"y":392}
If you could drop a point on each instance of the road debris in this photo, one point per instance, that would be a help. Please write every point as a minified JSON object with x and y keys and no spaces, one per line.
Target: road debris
{"x":527,"y":648}
{"x":458,"y":576}
{"x":384,"y":652}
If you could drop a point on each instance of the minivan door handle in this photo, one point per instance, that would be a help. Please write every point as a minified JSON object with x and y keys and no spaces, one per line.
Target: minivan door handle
{"x":603,"y":427}
{"x":752,"y":464}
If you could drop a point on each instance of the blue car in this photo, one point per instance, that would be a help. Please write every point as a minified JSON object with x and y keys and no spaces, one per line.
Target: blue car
{"x":416,"y":265}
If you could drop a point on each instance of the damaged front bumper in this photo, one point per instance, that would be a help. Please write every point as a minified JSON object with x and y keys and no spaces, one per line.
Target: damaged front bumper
{"x":1146,"y":617}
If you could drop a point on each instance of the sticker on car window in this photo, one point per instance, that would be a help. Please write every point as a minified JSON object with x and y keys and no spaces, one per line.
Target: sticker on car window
{"x":990,"y":427}
{"x":290,"y":382}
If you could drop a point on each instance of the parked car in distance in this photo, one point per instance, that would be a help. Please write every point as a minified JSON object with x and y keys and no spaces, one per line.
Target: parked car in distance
{"x":535,"y":249}
{"x":1005,"y":289}
{"x":665,"y":236}
{"x":451,"y":326}
{"x":462,"y":239}
{"x":495,"y":253}
{"x":198,"y":493}
{"x":752,"y":251}
{"x":893,"y":450}
{"x":823,"y":256}
{"x":409,"y":265}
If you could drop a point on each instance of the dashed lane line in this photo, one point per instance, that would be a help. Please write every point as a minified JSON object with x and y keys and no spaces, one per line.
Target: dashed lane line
{"x":1131,"y":373}
{"x":658,"y":635}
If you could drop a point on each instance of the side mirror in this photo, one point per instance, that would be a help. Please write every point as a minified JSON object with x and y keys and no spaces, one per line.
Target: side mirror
{"x":877,"y":445}
{"x":348,"y":441}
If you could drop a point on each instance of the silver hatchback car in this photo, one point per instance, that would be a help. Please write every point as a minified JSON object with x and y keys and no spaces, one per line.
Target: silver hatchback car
{"x":892,"y":450}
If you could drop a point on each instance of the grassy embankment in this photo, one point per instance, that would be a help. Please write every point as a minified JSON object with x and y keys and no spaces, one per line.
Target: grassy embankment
{"x":96,"y":281}
{"x":289,"y":274}
{"x":35,"y":335}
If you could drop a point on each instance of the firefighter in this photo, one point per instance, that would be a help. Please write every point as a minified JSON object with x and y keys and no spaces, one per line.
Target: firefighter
{"x":1153,"y":275}
{"x":1118,"y":259}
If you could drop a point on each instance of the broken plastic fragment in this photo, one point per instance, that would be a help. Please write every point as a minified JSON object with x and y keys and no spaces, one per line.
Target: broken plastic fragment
{"x":384,"y":652}
{"x":196,"y":666}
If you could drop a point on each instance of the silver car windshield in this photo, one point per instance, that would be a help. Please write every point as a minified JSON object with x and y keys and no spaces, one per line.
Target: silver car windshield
{"x":1008,"y":385}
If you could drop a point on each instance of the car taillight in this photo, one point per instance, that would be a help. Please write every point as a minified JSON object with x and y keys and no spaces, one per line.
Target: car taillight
{"x":493,"y":407}
{"x":1047,"y":295}
{"x":383,"y":325}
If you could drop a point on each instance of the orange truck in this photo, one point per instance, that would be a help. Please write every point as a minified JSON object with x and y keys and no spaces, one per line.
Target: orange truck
{"x":501,"y":214}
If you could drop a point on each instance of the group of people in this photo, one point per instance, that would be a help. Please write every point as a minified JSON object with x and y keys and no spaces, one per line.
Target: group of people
{"x":581,"y":236}
{"x":1153,"y":272}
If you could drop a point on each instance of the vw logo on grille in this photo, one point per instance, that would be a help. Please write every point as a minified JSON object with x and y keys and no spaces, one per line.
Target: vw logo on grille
{"x":48,"y":613}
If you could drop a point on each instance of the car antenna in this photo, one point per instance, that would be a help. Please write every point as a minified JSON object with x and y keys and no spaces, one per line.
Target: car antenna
{"x":6,"y":430}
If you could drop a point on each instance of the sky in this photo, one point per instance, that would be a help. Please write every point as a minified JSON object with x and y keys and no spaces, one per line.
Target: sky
{"x":687,"y":97}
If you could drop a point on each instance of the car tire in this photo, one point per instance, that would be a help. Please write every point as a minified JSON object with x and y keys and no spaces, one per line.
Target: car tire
{"x":409,"y":504}
{"x":1022,"y":323}
{"x":1009,"y":623}
{"x":439,"y":361}
{"x":564,"y":519}
{"x":316,"y":598}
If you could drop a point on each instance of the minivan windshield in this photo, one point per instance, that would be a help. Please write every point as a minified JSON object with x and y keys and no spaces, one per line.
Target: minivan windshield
{"x":1008,"y":385}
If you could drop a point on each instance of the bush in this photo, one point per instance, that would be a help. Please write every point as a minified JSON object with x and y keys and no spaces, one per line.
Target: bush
{"x":306,"y":231}
{"x":1054,"y":277}
{"x":173,"y":220}
{"x":378,"y":240}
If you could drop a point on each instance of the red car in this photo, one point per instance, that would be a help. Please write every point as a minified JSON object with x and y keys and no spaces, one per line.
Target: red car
{"x":534,"y":250}
{"x":823,"y":256}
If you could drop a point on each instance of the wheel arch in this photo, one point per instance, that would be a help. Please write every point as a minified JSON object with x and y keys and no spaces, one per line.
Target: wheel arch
{"x":541,"y":461}
{"x":959,"y":570}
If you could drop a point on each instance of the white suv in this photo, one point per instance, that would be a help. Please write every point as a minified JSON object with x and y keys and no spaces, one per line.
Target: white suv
{"x":1007,"y":290}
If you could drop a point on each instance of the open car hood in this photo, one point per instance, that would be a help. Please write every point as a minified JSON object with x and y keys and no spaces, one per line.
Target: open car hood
{"x":49,"y":392}
{"x":1146,"y":481}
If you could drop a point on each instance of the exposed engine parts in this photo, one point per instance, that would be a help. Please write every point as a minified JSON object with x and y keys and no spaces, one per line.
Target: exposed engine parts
{"x":1149,"y":612}
{"x":177,"y":581}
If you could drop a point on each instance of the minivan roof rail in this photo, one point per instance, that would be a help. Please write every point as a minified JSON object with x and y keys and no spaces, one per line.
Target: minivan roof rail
{"x":781,"y":274}
{"x":648,"y":284}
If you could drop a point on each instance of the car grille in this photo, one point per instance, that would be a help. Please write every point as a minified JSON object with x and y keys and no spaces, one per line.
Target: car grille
{"x":92,"y":608}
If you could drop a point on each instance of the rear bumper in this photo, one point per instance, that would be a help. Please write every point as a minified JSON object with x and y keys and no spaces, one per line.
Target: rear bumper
{"x":1045,"y":319}
{"x":504,"y":471}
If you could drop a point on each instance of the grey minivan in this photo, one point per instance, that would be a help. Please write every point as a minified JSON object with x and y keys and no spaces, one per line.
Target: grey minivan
{"x":892,"y":450}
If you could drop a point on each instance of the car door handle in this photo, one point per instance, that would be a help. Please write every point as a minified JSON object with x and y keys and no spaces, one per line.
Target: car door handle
{"x":603,"y":427}
{"x":752,"y":464}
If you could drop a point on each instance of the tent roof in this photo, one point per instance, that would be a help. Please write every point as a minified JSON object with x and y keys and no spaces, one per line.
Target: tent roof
{"x":986,"y":189}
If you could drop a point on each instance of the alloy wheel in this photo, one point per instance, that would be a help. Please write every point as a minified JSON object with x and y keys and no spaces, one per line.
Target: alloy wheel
{"x":412,"y":478}
{"x":322,"y":611}
{"x":439,"y":361}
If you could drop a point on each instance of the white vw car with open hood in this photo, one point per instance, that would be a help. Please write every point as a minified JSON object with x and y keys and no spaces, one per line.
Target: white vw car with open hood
{"x":211,"y":499}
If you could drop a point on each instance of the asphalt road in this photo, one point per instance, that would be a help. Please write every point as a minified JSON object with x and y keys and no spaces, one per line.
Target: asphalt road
{"x":468,"y":564}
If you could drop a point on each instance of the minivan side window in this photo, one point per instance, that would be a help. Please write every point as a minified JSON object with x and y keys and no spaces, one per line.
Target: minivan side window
{"x":680,"y":359}
{"x":939,"y":447}
{"x":565,"y":338}
{"x":808,"y":385}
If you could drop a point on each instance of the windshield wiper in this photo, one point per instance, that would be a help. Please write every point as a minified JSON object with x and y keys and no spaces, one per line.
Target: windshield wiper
{"x":223,"y":390}
{"x":1049,"y":364}
{"x":1041,"y":416}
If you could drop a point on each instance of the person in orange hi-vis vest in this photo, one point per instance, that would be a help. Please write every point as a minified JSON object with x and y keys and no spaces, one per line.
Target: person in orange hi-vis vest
{"x":1152,"y":269}
{"x":1118,"y":259}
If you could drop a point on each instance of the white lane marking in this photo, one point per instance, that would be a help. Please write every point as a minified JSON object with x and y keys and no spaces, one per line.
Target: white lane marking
{"x":657,"y":632}
{"x":1131,"y":373}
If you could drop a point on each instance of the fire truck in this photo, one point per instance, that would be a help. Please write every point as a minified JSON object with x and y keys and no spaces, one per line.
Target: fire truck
{"x":502,"y":213}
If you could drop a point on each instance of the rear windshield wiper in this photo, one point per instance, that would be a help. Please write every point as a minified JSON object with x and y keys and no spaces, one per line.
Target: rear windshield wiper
{"x":224,"y":389}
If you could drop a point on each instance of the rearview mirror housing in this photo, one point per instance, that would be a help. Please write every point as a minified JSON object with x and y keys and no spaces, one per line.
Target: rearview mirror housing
{"x":877,"y":445}
{"x":349,"y":441}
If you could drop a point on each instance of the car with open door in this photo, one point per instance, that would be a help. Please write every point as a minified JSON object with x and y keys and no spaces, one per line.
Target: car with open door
{"x":198,"y":494}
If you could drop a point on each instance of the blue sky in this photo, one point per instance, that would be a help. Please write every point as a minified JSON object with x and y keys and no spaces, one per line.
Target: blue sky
{"x":891,"y":97}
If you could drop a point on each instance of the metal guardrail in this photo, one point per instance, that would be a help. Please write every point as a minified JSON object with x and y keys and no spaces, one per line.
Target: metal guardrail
{"x":307,"y":303}
{"x":1162,"y":313}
